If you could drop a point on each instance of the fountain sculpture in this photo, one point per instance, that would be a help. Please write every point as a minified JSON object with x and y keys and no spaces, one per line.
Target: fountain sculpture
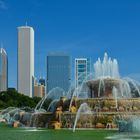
{"x":104,"y":100}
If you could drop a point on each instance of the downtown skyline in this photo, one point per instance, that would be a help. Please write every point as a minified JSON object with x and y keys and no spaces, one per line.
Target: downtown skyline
{"x":87,"y":30}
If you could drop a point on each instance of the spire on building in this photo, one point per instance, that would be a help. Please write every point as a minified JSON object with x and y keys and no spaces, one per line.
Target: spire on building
{"x":26,"y":24}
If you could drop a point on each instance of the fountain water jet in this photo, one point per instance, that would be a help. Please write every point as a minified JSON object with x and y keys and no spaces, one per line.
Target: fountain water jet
{"x":55,"y":93}
{"x":52,"y":104}
{"x":83,"y":109}
{"x":134,"y":84}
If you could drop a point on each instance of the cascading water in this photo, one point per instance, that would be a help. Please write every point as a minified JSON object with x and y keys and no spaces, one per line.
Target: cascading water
{"x":101,"y":86}
{"x":115,"y":95}
{"x":134,"y":83}
{"x":125,"y":89}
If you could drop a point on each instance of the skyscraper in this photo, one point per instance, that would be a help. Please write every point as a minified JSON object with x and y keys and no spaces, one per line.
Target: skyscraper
{"x":25,"y":83}
{"x":58,"y":71}
{"x":82,"y":70}
{"x":3,"y":70}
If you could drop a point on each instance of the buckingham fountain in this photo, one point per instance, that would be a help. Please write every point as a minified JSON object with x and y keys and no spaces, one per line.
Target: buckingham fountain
{"x":104,"y":100}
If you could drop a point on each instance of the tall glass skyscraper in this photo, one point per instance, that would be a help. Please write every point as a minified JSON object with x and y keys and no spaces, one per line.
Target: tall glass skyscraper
{"x":25,"y":83}
{"x":82,"y":70}
{"x":3,"y":70}
{"x":58,"y":71}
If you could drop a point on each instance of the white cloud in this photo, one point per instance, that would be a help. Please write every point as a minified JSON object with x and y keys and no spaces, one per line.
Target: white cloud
{"x":3,"y":5}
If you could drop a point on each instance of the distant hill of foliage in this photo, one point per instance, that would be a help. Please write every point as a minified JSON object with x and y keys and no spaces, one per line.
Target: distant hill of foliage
{"x":12,"y":98}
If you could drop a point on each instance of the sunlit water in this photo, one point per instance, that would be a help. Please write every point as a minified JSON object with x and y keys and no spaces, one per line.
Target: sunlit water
{"x":126,"y":136}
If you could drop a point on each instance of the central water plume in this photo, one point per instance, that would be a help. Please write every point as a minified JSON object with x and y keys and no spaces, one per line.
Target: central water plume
{"x":106,"y":68}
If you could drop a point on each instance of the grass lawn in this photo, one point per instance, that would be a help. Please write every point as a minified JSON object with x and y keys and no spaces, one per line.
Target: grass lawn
{"x":7,"y":133}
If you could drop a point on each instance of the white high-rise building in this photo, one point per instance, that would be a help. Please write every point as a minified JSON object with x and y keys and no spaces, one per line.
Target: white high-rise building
{"x":3,"y":70}
{"x":25,"y":83}
{"x":82,"y":70}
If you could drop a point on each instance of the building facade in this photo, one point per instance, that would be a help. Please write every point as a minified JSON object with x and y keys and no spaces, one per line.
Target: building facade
{"x":58,"y":71}
{"x":82,"y":70}
{"x":25,"y":77}
{"x":3,"y":70}
{"x":39,"y":90}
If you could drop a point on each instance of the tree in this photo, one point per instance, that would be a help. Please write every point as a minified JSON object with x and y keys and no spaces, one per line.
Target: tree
{"x":11,"y":98}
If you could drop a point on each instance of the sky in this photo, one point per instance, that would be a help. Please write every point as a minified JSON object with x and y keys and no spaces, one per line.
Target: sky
{"x":82,"y":28}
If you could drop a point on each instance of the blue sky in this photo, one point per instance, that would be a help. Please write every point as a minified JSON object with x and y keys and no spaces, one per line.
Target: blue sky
{"x":83,"y":28}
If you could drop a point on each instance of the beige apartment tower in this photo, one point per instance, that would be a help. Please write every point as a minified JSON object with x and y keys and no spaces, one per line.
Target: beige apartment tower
{"x":25,"y":77}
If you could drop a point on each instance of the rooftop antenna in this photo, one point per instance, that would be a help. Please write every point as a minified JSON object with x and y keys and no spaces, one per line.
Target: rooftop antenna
{"x":1,"y":45}
{"x":2,"y":49}
{"x":26,"y":24}
{"x":40,"y":75}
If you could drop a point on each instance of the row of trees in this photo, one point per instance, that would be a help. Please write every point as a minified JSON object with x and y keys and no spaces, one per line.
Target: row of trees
{"x":12,"y":98}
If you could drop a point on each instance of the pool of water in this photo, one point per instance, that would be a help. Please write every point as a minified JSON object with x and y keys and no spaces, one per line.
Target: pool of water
{"x":125,"y":136}
{"x":8,"y":133}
